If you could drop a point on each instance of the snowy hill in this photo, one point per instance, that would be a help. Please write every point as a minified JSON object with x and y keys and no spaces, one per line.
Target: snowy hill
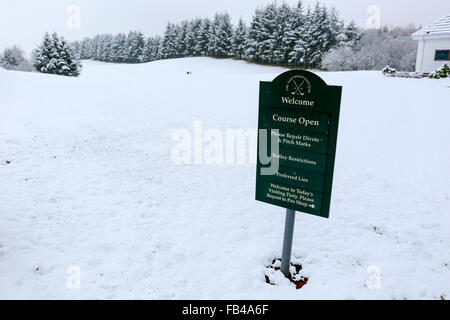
{"x":87,"y":180}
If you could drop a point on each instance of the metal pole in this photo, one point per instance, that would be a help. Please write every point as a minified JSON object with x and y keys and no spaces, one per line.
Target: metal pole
{"x":287,"y":242}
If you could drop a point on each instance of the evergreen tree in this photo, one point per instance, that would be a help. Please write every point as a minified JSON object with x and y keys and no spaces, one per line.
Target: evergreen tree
{"x":156,"y":49}
{"x":86,"y":49}
{"x":281,"y":43}
{"x":255,"y":37}
{"x":213,"y":40}
{"x":240,"y":39}
{"x":336,"y":31}
{"x":194,"y":36}
{"x":95,"y":47}
{"x":319,"y":41}
{"x":221,"y":36}
{"x":135,"y":46}
{"x":190,"y":39}
{"x":352,"y":35}
{"x":55,"y":56}
{"x":76,"y":49}
{"x":203,"y":38}
{"x":296,"y":35}
{"x":99,"y":47}
{"x":152,"y":49}
{"x":67,"y":64}
{"x":119,"y":48}
{"x":107,"y":53}
{"x":181,"y":39}
{"x":169,"y":49}
{"x":148,"y":47}
{"x":268,"y":32}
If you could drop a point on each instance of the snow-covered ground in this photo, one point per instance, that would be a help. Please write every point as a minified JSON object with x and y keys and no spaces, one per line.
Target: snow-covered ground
{"x":91,"y":184}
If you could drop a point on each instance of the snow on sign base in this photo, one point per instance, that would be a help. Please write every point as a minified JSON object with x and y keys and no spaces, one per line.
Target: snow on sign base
{"x":300,"y":112}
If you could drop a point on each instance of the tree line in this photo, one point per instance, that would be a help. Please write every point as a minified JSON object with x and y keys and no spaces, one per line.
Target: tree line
{"x":313,"y":37}
{"x":278,"y":34}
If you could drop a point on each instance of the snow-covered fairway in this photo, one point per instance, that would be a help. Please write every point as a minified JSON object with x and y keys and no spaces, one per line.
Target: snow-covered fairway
{"x":91,"y":184}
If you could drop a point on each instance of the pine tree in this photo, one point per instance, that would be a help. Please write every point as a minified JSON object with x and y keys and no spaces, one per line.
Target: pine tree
{"x":281,"y":43}
{"x":156,"y":49}
{"x":148,"y":47}
{"x":296,"y":34}
{"x":240,"y":39}
{"x":67,"y":64}
{"x":352,"y":35}
{"x":220,"y":44}
{"x":306,"y":43}
{"x":95,"y":47}
{"x":52,"y":65}
{"x":135,"y":46}
{"x":55,"y":56}
{"x":107,"y":53}
{"x":336,"y":31}
{"x":225,"y":36}
{"x":169,"y":49}
{"x":203,"y":38}
{"x":194,"y":35}
{"x":268,"y":31}
{"x":318,"y":43}
{"x":213,"y":38}
{"x":190,"y":39}
{"x":151,"y":49}
{"x":255,"y":37}
{"x":99,"y":48}
{"x":119,"y":48}
{"x":181,"y":39}
{"x":86,"y":49}
{"x":76,"y":49}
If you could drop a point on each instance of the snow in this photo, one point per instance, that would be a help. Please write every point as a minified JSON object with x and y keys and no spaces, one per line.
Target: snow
{"x":440,"y":27}
{"x":91,"y":184}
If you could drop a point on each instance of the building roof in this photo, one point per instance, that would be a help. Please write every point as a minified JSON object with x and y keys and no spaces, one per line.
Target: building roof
{"x":438,"y":29}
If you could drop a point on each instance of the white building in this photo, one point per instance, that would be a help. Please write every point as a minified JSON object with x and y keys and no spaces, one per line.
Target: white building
{"x":434,"y":45}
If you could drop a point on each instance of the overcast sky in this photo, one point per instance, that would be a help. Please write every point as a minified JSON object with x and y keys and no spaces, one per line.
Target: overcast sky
{"x":24,"y":22}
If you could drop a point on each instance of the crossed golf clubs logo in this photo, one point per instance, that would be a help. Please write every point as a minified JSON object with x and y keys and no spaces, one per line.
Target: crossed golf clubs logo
{"x":298,"y":88}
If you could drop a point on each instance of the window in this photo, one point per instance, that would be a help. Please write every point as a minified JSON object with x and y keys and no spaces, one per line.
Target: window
{"x":442,"y":55}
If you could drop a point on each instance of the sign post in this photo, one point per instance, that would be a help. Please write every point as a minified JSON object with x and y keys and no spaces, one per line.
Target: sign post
{"x":287,"y":242}
{"x":298,"y":125}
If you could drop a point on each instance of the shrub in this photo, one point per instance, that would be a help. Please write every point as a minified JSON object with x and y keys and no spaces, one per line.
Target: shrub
{"x":339,"y":59}
{"x":388,"y":71}
{"x":13,"y":59}
{"x":442,"y":72}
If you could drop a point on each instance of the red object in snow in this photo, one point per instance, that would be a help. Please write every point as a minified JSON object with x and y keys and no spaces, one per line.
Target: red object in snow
{"x":301,"y":283}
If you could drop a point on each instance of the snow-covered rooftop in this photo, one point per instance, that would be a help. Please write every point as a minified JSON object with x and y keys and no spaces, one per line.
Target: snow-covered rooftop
{"x":439,"y":28}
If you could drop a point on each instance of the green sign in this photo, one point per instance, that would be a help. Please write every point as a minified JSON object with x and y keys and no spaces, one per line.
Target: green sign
{"x":299,"y":114}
